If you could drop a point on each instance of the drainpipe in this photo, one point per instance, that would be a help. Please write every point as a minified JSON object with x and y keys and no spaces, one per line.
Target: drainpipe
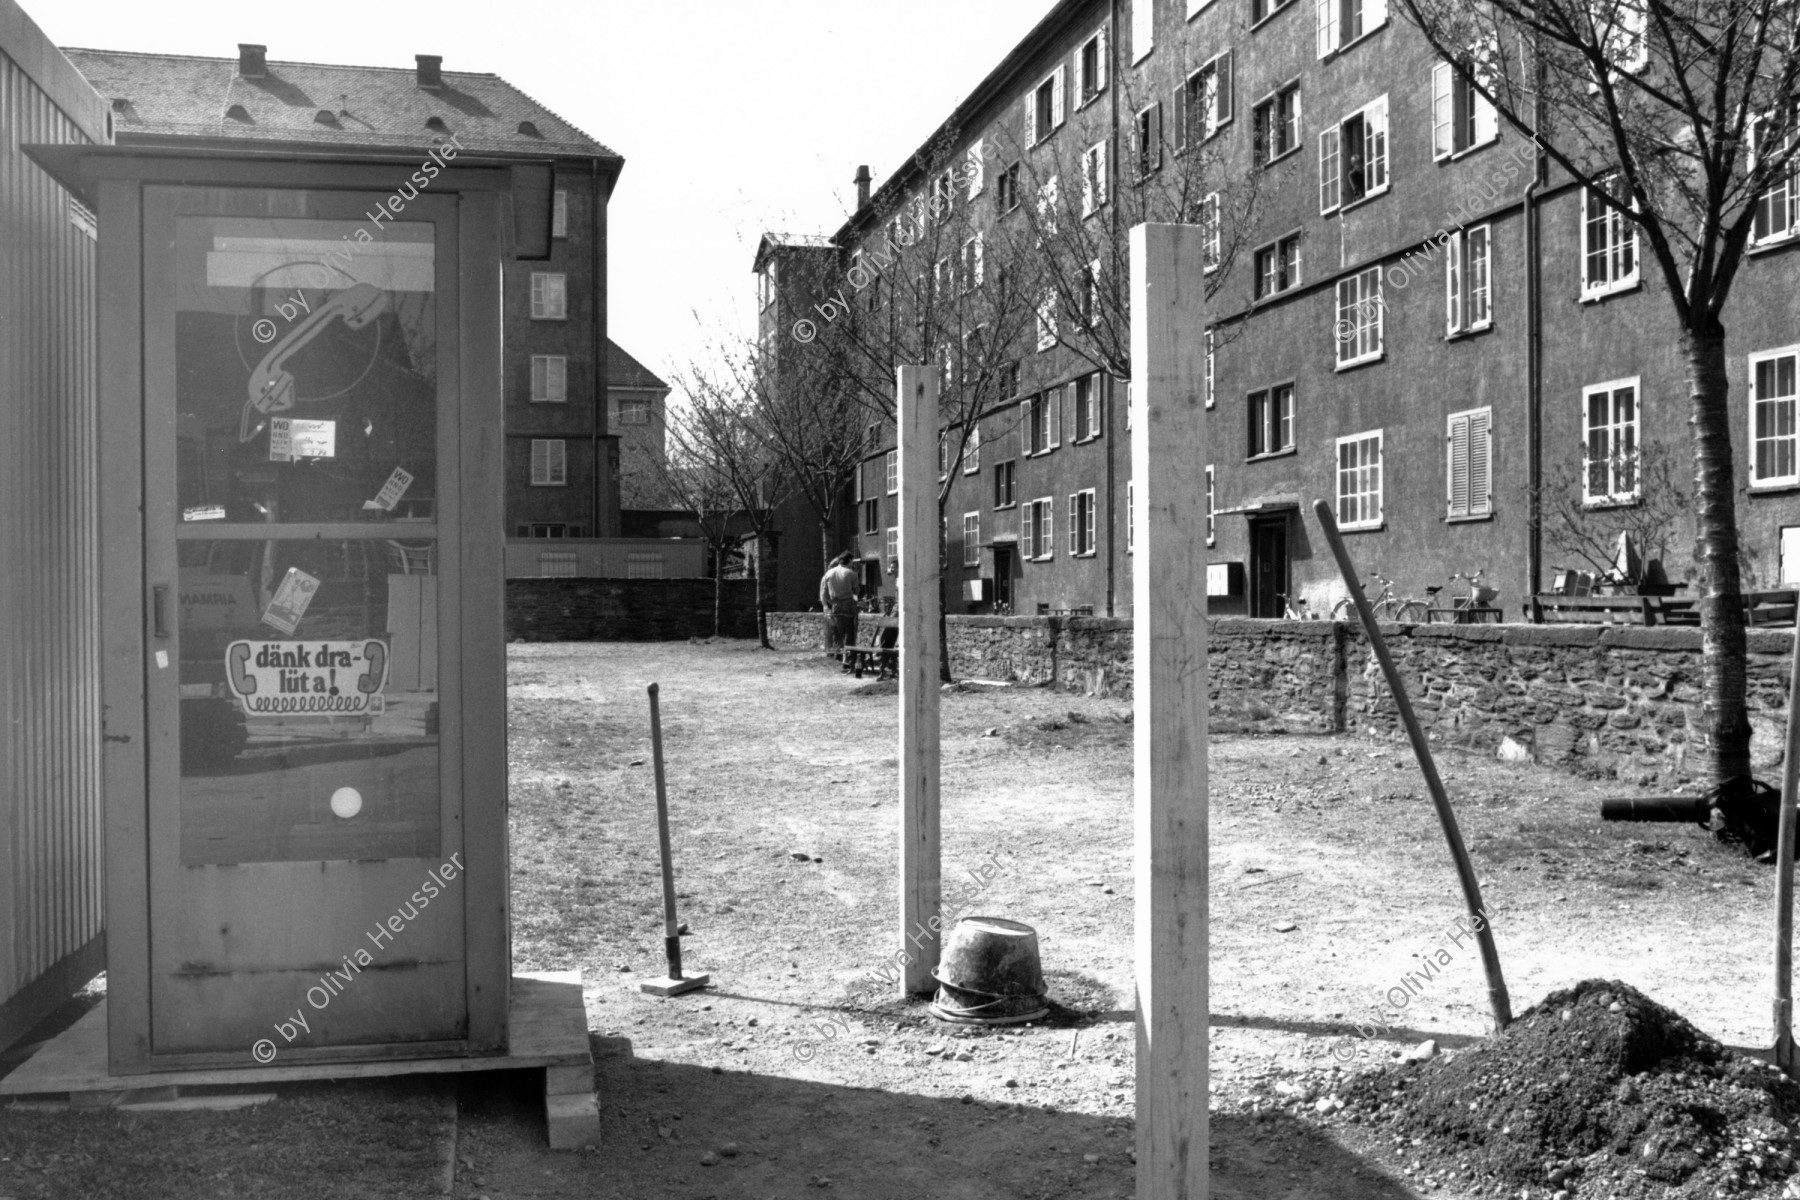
{"x":1534,"y":363}
{"x":601,"y":355}
{"x":1114,"y":83}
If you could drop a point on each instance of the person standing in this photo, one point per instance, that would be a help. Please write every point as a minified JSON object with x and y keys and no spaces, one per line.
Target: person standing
{"x":838,"y":592}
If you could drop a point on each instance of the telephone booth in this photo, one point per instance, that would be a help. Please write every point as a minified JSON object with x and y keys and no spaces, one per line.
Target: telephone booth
{"x":303,"y":645}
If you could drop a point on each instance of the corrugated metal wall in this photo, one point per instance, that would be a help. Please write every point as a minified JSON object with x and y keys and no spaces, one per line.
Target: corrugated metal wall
{"x":50,"y":804}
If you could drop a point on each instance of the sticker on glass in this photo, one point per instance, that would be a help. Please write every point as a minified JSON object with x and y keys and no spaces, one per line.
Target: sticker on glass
{"x":392,"y":490}
{"x":291,"y":440}
{"x":204,"y":512}
{"x":321,"y":679}
{"x":290,"y":600}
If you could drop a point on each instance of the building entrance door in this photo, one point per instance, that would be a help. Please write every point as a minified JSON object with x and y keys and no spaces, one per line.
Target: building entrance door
{"x":1268,"y":565}
{"x":1003,"y":578}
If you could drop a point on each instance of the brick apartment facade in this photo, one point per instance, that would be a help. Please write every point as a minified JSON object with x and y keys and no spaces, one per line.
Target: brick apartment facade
{"x":562,"y":461}
{"x":1407,"y":327}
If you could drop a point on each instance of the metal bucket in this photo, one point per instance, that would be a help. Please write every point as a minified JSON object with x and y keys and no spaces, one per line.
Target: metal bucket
{"x":989,"y":974}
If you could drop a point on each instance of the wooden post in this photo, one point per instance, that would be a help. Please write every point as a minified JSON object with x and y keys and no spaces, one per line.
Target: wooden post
{"x":1168,"y":448}
{"x":1784,"y":875}
{"x":916,"y":427}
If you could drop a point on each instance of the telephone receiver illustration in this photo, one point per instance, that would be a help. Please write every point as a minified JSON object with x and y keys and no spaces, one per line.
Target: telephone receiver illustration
{"x":271,"y":385}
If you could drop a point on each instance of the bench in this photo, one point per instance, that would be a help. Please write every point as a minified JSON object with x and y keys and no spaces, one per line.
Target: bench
{"x":881,"y":654}
{"x":1760,"y":608}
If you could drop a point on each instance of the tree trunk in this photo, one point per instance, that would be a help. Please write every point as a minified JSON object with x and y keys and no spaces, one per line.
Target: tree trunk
{"x":825,"y":551}
{"x":762,"y":619}
{"x":718,"y":589}
{"x":1725,"y":722}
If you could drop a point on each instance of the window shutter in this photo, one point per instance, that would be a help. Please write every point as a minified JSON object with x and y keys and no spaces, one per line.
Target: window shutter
{"x":1459,"y":465}
{"x":1143,"y":28}
{"x":540,"y":386}
{"x":1101,"y":62}
{"x":1328,"y":169}
{"x":1371,"y":294}
{"x":1487,"y":121}
{"x":1481,"y":463}
{"x":1222,"y":89}
{"x":977,"y":169}
{"x":1156,"y":135}
{"x":1100,"y":175}
{"x":1074,"y":522}
{"x":1031,"y":129}
{"x":1056,"y":97}
{"x":559,"y":377}
{"x":1046,"y":534}
{"x":1374,"y":14}
{"x":980,"y":269}
{"x":1089,"y":513}
{"x":559,"y":462}
{"x":1453,"y":283}
{"x":1180,"y":136}
{"x":1327,"y":12}
{"x":1375,"y":139}
{"x":540,"y":461}
{"x":1443,"y":82}
{"x":1053,"y":417}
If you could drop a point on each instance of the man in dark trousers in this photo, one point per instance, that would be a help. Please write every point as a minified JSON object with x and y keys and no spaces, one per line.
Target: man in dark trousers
{"x":838,"y":592}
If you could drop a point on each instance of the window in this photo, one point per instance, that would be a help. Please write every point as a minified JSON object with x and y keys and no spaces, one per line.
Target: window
{"x":856,"y":481}
{"x":549,"y":529}
{"x":1090,"y":294}
{"x":1608,"y":244}
{"x":1278,"y":266}
{"x":1046,"y":209}
{"x":643,"y":564}
{"x":893,"y":549}
{"x":1005,"y":477}
{"x":943,"y":194}
{"x":1461,"y":117}
{"x":1093,"y":179}
{"x":1090,"y":66}
{"x":549,"y":296}
{"x":765,"y":288}
{"x":557,"y":564}
{"x":976,"y":167}
{"x":1272,"y":420}
{"x":1044,"y":113}
{"x":973,"y":268}
{"x":1131,"y":514}
{"x":1212,"y":225}
{"x":1341,"y":22}
{"x":871,"y":515}
{"x":1774,"y":456}
{"x":559,"y":214}
{"x":634,"y":412}
{"x":1081,"y":524}
{"x":1469,"y":471}
{"x":1042,"y":428}
{"x":1035,"y":531}
{"x":1779,"y":206}
{"x":941,"y":278}
{"x":1621,"y":26}
{"x":1046,"y":319}
{"x":1149,"y":141}
{"x":1276,"y":124}
{"x":1359,"y":308}
{"x":972,"y":451}
{"x":1143,"y":28}
{"x":549,"y":378}
{"x":1206,"y":100}
{"x":1006,"y":190}
{"x":1212,"y":507}
{"x":1359,"y":481}
{"x":549,"y":463}
{"x":1207,"y":338}
{"x":1610,"y":452}
{"x":1466,"y":274}
{"x":972,"y":539}
{"x":893,"y":472}
{"x":1261,"y":10}
{"x":1353,"y":157}
{"x":1086,"y":392}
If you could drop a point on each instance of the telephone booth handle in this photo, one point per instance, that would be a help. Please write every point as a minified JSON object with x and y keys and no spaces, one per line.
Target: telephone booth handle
{"x":159,"y":597}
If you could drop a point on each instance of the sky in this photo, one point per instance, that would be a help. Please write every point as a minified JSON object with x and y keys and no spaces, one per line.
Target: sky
{"x":733,"y":118}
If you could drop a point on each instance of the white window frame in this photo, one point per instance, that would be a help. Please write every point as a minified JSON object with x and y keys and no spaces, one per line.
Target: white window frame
{"x":1270,"y":282}
{"x":1008,"y":470}
{"x":1088,"y":430}
{"x":1147,"y":130}
{"x":1462,"y":119}
{"x":1468,"y":281}
{"x":1045,"y":411}
{"x":1081,"y":524}
{"x":549,"y":462}
{"x":1006,"y":190}
{"x":1271,"y":421}
{"x":1621,"y":236}
{"x":1216,"y":101}
{"x":1780,"y":200}
{"x":1090,"y":294}
{"x":1777,"y":418}
{"x":1334,"y":166}
{"x":1048,"y":197}
{"x":1143,"y":29}
{"x":549,"y":379}
{"x":1037,"y":529}
{"x":1266,"y":118}
{"x":1131,"y":515}
{"x":549,"y":296}
{"x":893,"y":549}
{"x":1054,"y":81}
{"x":974,"y":269}
{"x":1358,"y":331}
{"x":1332,"y":23}
{"x":975,"y":167}
{"x":559,"y":213}
{"x":972,"y":539}
{"x":1046,"y":319}
{"x":1349,"y":474}
{"x":1616,"y":432}
{"x":1211,"y":386}
{"x":1093,"y":179}
{"x":972,"y":451}
{"x":1469,"y":447}
{"x":893,"y":472}
{"x":1212,"y":507}
{"x":1213,"y":247}
{"x":1087,"y":89}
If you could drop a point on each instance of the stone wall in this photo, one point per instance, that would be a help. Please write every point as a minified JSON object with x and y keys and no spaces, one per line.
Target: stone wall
{"x":1600,"y":699}
{"x":625,"y":610}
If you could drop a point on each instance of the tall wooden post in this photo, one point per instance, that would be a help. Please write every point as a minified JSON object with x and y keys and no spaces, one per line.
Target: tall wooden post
{"x":1168,"y":451}
{"x":920,"y":871}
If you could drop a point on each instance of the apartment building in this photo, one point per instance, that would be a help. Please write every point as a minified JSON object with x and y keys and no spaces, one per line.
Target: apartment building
{"x":1400,"y":322}
{"x":562,"y":460}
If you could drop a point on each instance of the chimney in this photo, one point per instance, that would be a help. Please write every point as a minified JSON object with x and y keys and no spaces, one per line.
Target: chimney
{"x":252,"y":60}
{"x":431,"y":70}
{"x":862,"y":188}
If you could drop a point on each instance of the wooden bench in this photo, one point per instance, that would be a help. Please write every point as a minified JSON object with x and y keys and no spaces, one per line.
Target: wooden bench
{"x":1760,"y":608}
{"x":880,"y":654}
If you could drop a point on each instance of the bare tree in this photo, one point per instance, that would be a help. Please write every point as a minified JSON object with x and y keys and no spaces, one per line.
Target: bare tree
{"x":697,"y":479}
{"x":1676,"y":117}
{"x":1583,"y":519}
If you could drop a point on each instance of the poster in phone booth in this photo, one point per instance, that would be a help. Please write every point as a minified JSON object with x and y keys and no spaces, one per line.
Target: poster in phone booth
{"x":325,"y":678}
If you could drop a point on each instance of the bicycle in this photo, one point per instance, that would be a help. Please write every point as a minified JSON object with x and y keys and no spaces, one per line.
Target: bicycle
{"x":1463,"y":610}
{"x":1387,"y":606}
{"x":1289,"y":612}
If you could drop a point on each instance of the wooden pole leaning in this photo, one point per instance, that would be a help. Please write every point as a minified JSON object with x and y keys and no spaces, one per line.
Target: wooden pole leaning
{"x":921,"y":881}
{"x":1169,"y":698}
{"x":1498,"y":1000}
{"x":674,"y":983}
{"x":1784,"y":876}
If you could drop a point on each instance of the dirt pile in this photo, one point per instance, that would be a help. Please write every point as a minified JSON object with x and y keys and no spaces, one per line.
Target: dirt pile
{"x":1597,"y":1092}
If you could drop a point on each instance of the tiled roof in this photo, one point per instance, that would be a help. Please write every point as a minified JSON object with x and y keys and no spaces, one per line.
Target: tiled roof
{"x":173,"y":95}
{"x":771,"y":242}
{"x":624,"y":371}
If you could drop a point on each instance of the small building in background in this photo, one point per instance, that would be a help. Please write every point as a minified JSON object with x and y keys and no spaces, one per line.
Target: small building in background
{"x":637,"y":410}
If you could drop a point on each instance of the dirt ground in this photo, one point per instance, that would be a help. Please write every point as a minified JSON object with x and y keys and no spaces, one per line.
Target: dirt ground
{"x":797,"y":1073}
